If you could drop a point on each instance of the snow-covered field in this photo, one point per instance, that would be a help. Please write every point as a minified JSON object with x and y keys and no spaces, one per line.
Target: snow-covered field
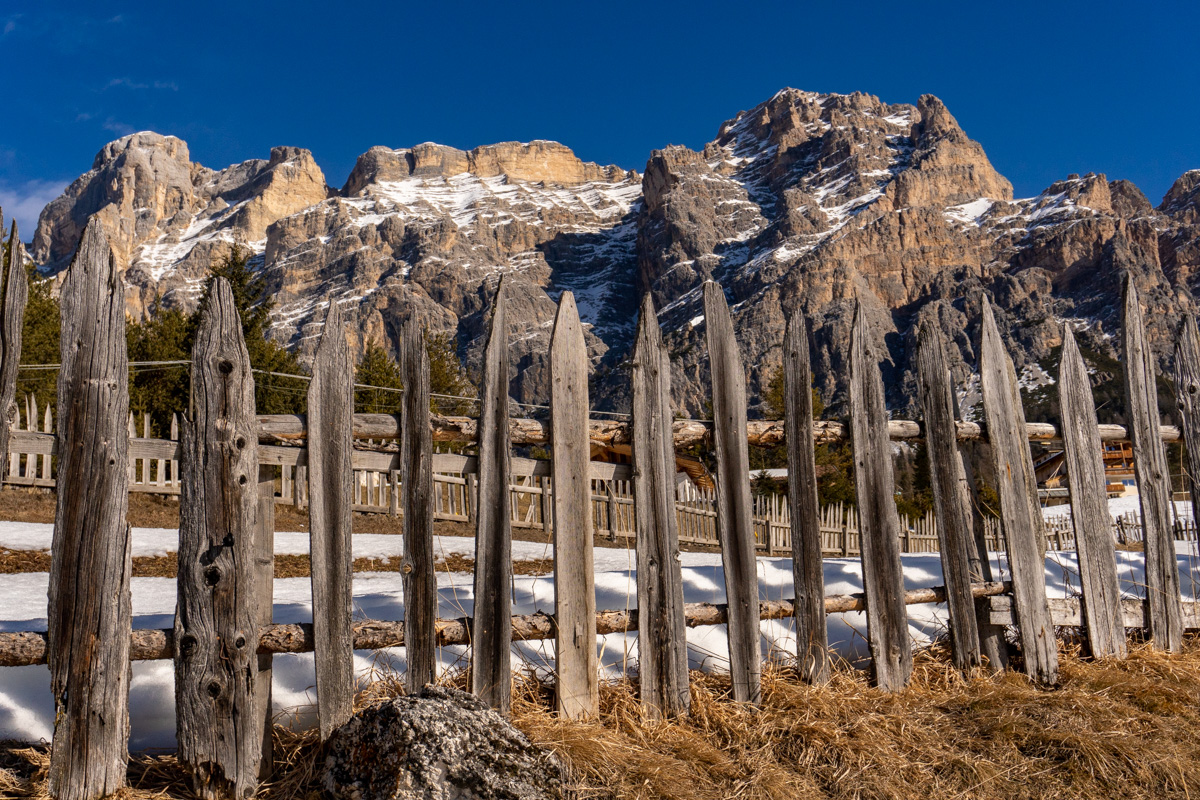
{"x":26,"y":708}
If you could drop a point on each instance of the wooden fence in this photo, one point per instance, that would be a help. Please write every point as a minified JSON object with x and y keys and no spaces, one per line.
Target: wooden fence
{"x":230,"y":468}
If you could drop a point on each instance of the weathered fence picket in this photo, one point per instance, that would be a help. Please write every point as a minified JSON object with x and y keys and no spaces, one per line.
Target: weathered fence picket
{"x":577,"y":692}
{"x":662,"y":639}
{"x":491,"y":630}
{"x":1089,"y":505}
{"x":90,"y":609}
{"x":416,"y":493}
{"x":14,"y":293}
{"x":949,"y":500}
{"x":1019,"y":507}
{"x":808,"y":568}
{"x":734,"y":526}
{"x":218,"y":699}
{"x":330,"y":405}
{"x":1187,"y":397}
{"x":883,"y":576}
{"x":1153,"y":477}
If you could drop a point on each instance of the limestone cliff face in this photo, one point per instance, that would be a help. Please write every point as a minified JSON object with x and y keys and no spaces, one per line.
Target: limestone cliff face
{"x":806,"y":203}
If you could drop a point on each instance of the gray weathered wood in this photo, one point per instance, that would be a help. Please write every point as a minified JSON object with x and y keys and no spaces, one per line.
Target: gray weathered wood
{"x":1019,"y":506}
{"x":416,"y":492}
{"x":1187,"y":396}
{"x":734,"y":518}
{"x":577,"y":689}
{"x":264,"y":565}
{"x":808,"y":567}
{"x":993,"y":645}
{"x":1089,"y":505}
{"x":89,"y":611}
{"x":878,"y":521}
{"x":951,"y":511}
{"x":14,"y":293}
{"x":1153,"y":477}
{"x":491,"y":639}
{"x":662,"y":639}
{"x":330,"y":478}
{"x":218,"y":698}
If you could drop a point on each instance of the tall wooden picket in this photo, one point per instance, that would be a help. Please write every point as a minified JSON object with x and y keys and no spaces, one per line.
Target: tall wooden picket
{"x":491,"y":626}
{"x":662,"y":636}
{"x":1187,"y":396}
{"x":878,"y":520}
{"x":90,"y":609}
{"x":949,"y":501}
{"x":577,"y":691}
{"x":219,"y":718}
{"x":1019,"y":505}
{"x":1153,"y":478}
{"x":734,"y":526}
{"x":808,"y":567}
{"x":14,"y":293}
{"x":1102,"y":612}
{"x":330,"y":475}
{"x":416,"y":488}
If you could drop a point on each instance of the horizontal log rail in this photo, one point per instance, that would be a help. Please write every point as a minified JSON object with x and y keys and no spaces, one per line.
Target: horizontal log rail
{"x":289,"y":430}
{"x":29,"y":647}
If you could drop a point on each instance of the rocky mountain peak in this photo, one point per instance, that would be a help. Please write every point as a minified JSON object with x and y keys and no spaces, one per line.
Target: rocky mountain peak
{"x":1182,"y":201}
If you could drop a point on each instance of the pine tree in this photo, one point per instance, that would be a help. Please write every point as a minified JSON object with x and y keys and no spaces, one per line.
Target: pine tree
{"x":377,"y":368}
{"x":40,"y":336}
{"x":447,"y":376}
{"x":160,"y":391}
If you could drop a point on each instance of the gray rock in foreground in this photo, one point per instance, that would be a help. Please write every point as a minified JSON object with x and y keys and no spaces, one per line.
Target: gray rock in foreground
{"x":440,"y":744}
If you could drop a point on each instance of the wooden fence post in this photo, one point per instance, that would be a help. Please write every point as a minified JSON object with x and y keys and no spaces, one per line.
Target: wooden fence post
{"x":1153,"y":478}
{"x":992,"y":644}
{"x":416,"y":488}
{"x":1102,"y":612}
{"x":1021,"y":513}
{"x":90,"y":611}
{"x":878,"y":520}
{"x":264,"y":563}
{"x":13,"y":295}
{"x":577,"y":691}
{"x":662,"y":636}
{"x":329,"y":442}
{"x":808,"y":568}
{"x":735,"y":527}
{"x":1187,"y":396}
{"x":952,"y":514}
{"x":491,"y":626}
{"x":218,"y":699}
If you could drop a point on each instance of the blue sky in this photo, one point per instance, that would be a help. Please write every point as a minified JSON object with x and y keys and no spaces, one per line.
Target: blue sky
{"x":1048,"y":88}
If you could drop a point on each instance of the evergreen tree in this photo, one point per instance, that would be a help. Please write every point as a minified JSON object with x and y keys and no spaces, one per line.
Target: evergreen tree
{"x":161,"y":391}
{"x":447,"y":376}
{"x":377,"y":368}
{"x":40,"y":336}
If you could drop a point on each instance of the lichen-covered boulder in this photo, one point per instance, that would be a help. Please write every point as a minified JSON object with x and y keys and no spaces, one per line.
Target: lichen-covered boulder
{"x":440,"y":744}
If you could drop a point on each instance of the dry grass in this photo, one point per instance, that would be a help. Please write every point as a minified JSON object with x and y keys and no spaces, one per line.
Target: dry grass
{"x":1112,"y":730}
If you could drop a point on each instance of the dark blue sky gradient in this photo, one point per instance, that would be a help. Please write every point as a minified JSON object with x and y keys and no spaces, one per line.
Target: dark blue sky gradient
{"x":1048,"y":88}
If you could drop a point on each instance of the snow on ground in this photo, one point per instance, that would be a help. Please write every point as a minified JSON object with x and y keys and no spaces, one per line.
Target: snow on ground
{"x":26,"y":708}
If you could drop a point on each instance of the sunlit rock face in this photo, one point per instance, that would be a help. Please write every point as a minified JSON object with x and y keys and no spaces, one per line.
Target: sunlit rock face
{"x":805,"y":203}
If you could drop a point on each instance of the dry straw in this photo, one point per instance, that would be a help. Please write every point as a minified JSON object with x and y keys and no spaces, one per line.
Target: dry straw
{"x":1113,"y":729}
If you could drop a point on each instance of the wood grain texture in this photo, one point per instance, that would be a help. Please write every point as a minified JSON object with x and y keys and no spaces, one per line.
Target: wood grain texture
{"x":491,"y":639}
{"x":416,"y":498}
{"x":1019,"y":505}
{"x":89,"y":610}
{"x":218,"y":721}
{"x":808,"y":572}
{"x":1187,"y":397}
{"x":330,"y":503}
{"x":1089,"y":505}
{"x":14,"y":293}
{"x":1153,"y":477}
{"x":662,"y":642}
{"x":954,"y":523}
{"x":577,"y":691}
{"x":878,"y":521}
{"x":734,"y":512}
{"x":264,"y":564}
